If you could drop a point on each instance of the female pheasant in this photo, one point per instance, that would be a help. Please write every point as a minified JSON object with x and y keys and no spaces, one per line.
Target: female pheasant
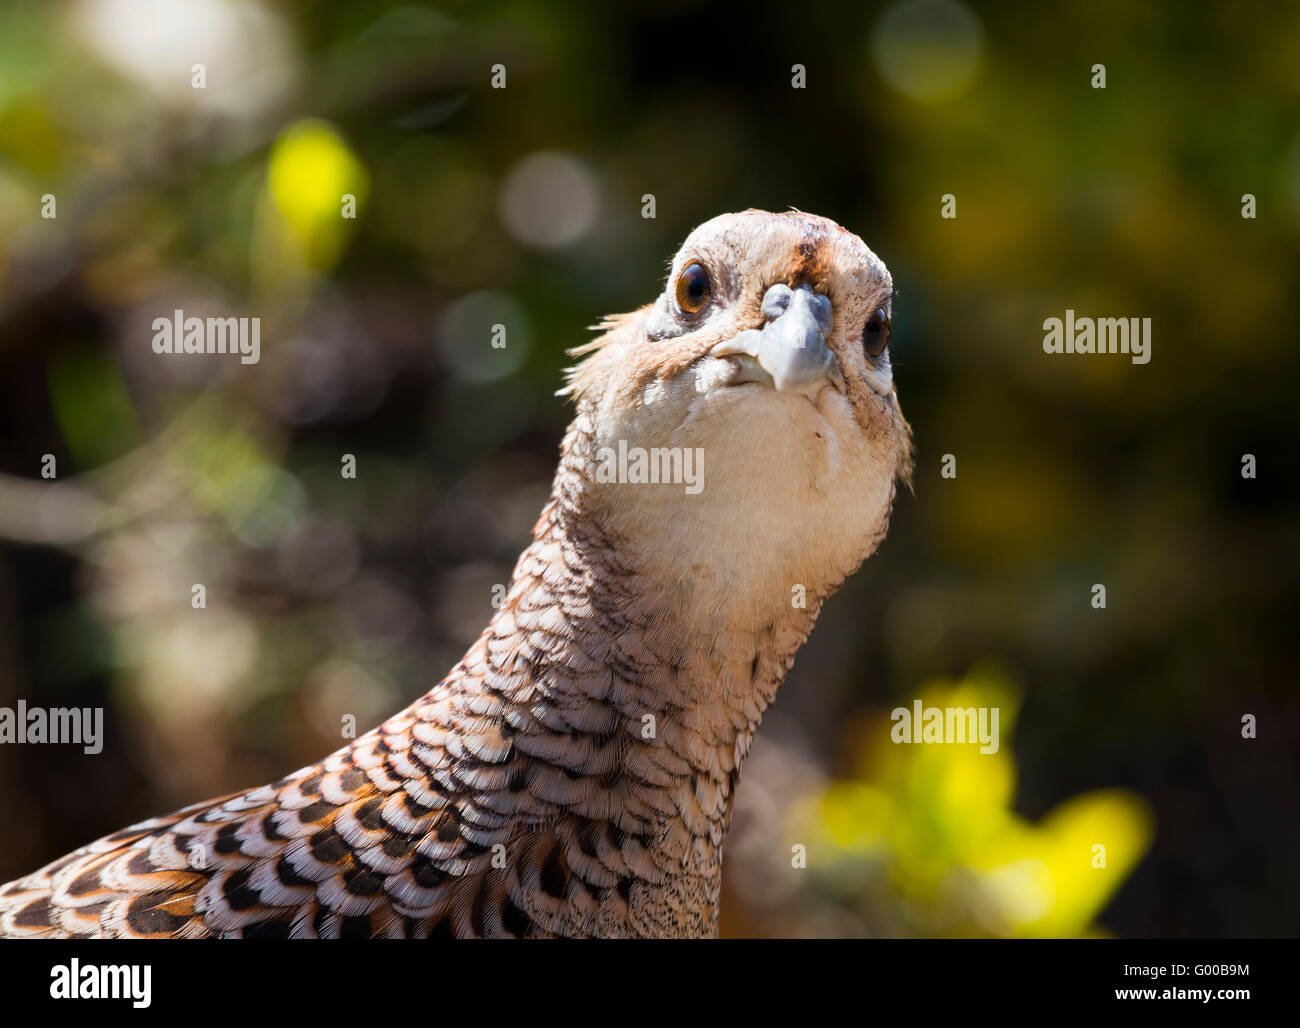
{"x":573,"y":774}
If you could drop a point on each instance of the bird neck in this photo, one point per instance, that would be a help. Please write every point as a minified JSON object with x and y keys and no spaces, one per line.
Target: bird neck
{"x":613,"y":697}
{"x":631,"y":670}
{"x":675,"y":638}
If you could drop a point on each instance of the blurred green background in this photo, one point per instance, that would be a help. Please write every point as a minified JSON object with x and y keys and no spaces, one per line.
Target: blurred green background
{"x":523,"y":206}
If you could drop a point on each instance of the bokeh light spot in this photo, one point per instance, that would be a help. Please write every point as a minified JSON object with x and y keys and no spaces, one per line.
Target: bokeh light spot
{"x":549,"y":200}
{"x":928,"y":50}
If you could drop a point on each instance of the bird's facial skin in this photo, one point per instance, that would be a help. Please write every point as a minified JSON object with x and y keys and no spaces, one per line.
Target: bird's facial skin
{"x":767,"y":353}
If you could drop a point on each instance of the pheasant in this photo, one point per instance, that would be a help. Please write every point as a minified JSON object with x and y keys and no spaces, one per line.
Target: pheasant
{"x":573,"y":775}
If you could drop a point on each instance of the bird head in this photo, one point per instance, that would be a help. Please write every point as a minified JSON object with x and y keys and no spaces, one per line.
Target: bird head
{"x":766,"y":361}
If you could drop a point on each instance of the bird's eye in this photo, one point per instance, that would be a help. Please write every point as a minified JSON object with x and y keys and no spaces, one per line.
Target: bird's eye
{"x":693,"y":288}
{"x":875,"y":334}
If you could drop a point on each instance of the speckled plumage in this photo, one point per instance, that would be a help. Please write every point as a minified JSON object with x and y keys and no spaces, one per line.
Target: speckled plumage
{"x":573,"y":774}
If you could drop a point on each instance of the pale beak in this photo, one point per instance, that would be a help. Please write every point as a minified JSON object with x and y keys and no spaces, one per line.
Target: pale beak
{"x":789,"y":352}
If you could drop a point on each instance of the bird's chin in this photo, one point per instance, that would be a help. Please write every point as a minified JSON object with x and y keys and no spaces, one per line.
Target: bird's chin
{"x":790,"y":490}
{"x":727,"y":386}
{"x":750,"y":435}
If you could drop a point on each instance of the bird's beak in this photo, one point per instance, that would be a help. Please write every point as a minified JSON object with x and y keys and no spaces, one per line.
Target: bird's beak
{"x":789,"y":352}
